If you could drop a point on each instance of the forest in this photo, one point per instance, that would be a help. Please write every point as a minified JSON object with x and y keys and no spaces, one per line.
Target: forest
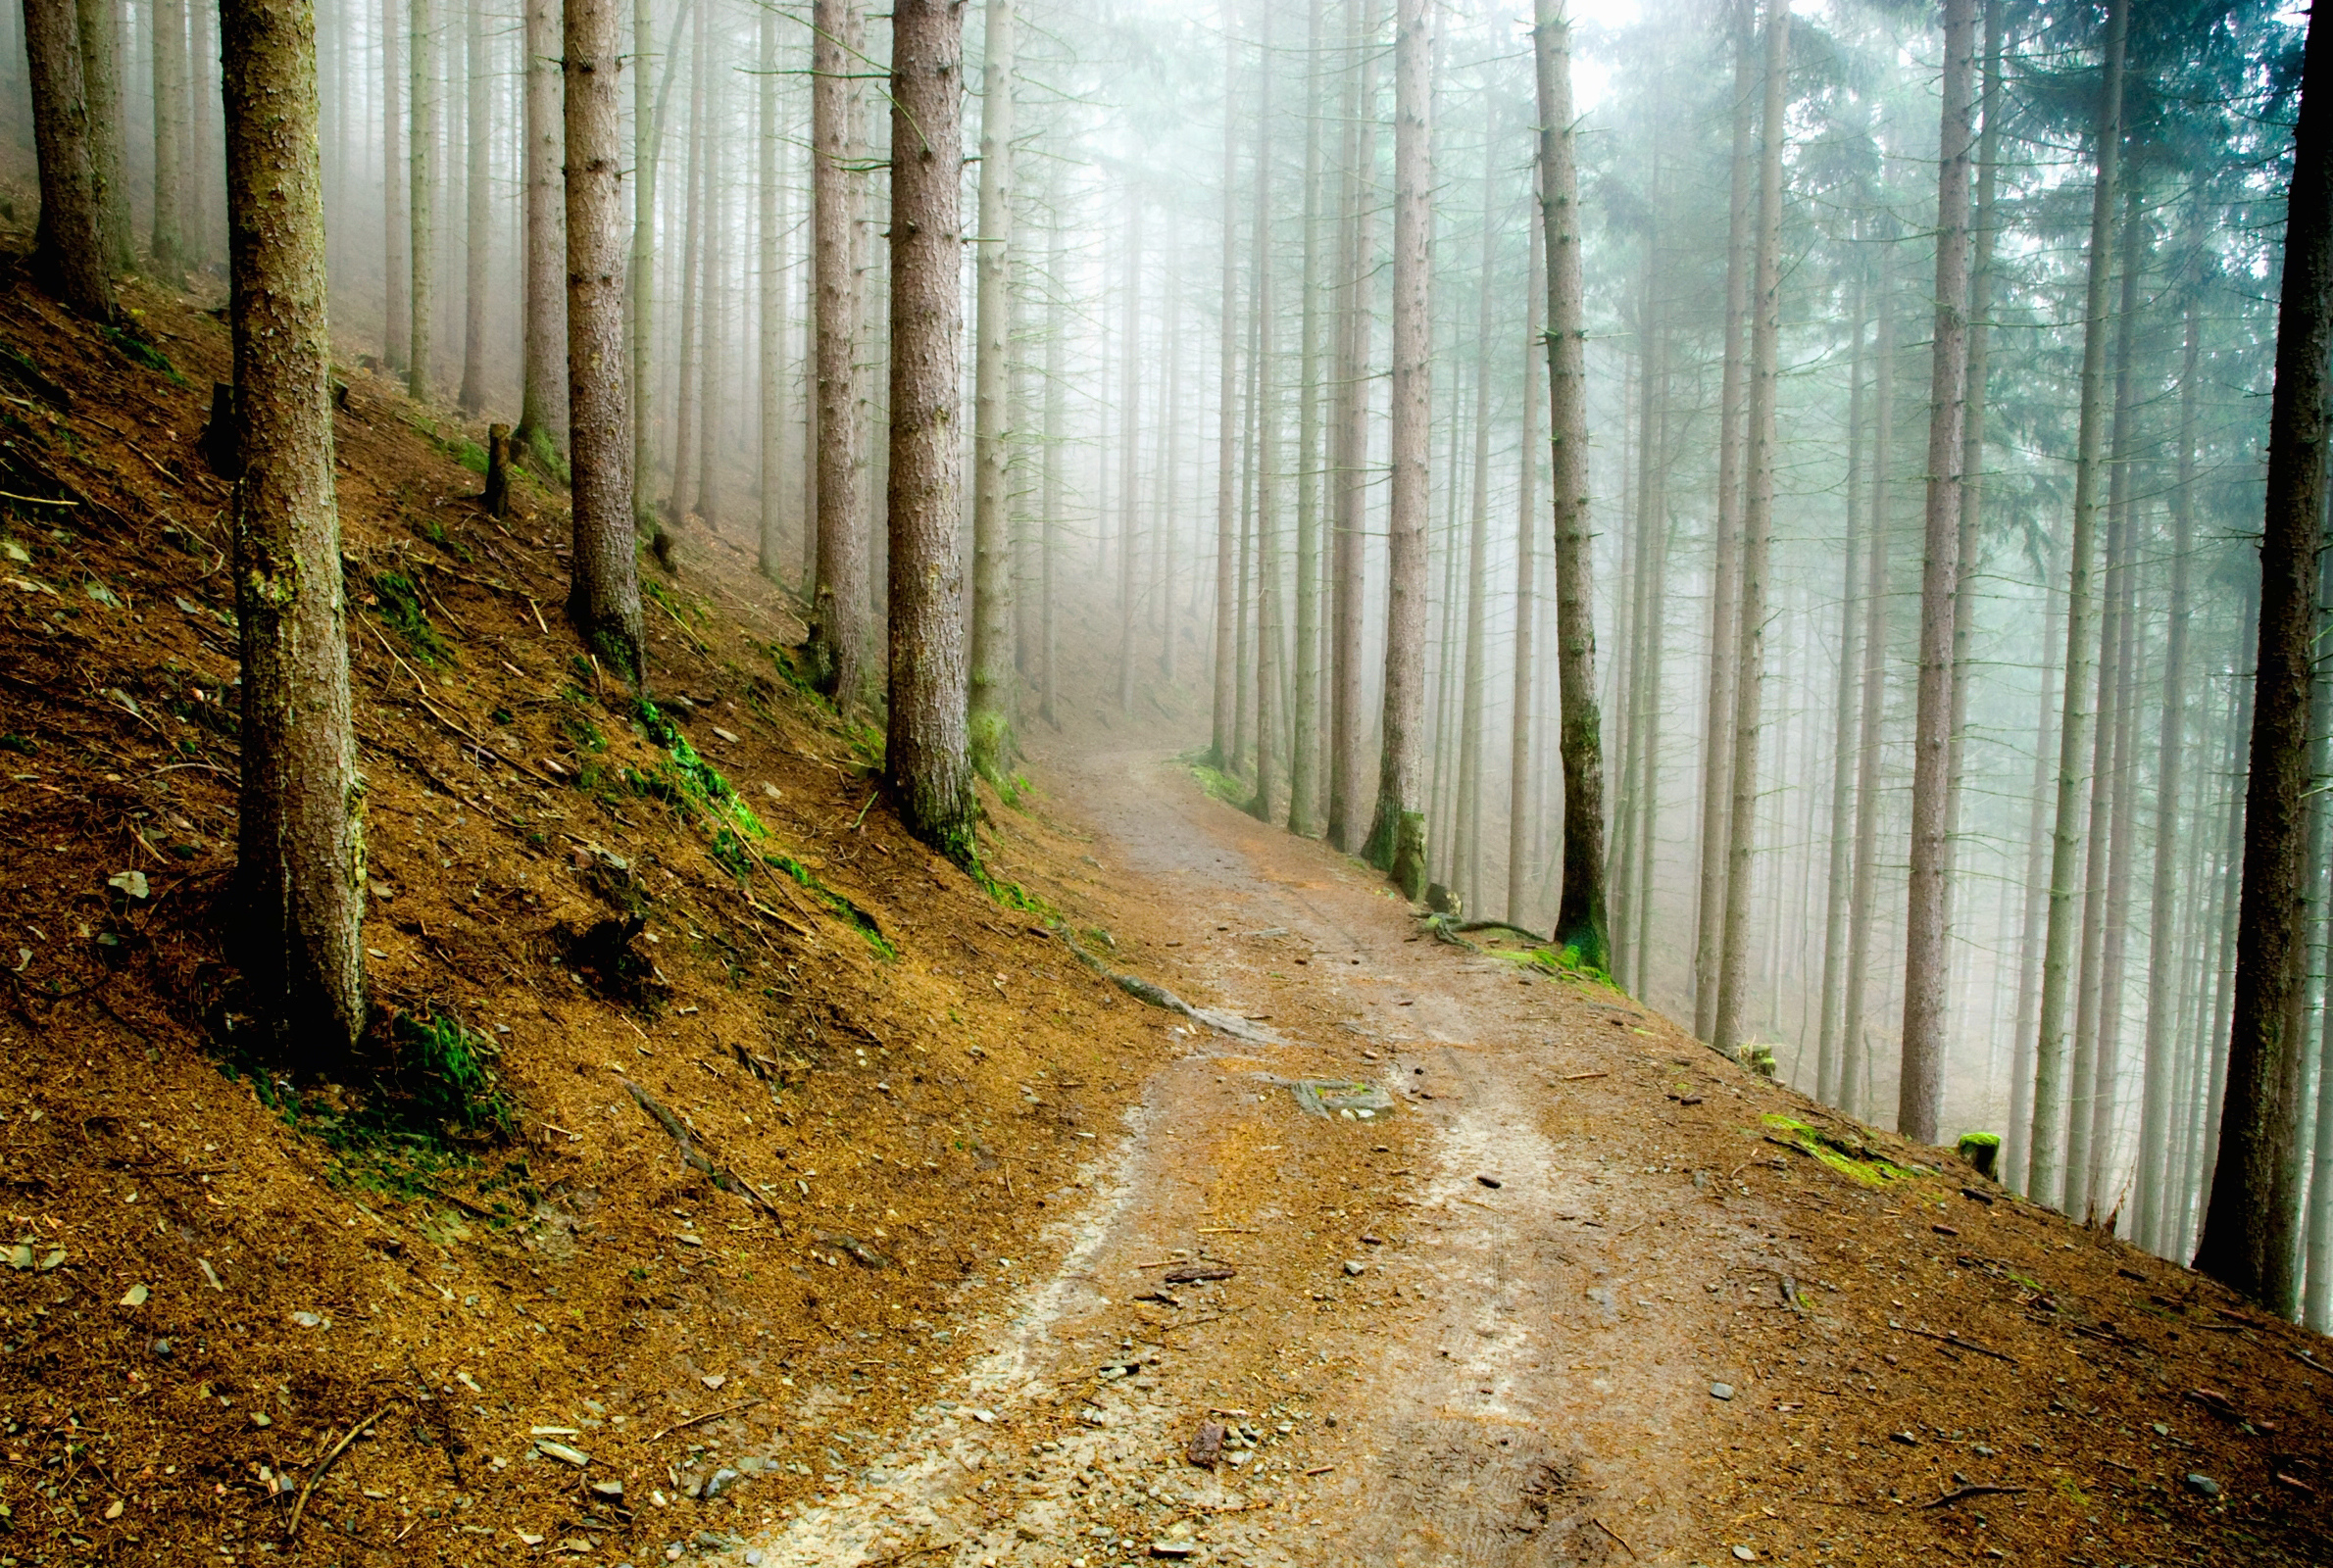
{"x":1815,"y":512}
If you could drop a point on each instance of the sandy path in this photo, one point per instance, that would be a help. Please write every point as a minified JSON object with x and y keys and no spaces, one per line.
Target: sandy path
{"x":1437,"y":1369}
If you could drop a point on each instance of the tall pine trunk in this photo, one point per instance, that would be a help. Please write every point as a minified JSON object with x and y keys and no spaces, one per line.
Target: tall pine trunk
{"x":67,"y":252}
{"x":840,"y":646}
{"x":1526,"y":589}
{"x":1827,"y":1052}
{"x":421,"y":196}
{"x":2017,"y":1139}
{"x":1757,"y":527}
{"x":167,"y":245}
{"x":1131,"y":369}
{"x":994,"y":746}
{"x":1466,"y":868}
{"x":300,"y":857}
{"x":396,"y":345}
{"x":100,"y":27}
{"x":477,"y":217}
{"x":1055,"y":432}
{"x":770,"y":274}
{"x":1347,"y":770}
{"x":1919,"y":1105}
{"x":1304,"y":752}
{"x":687,"y":409}
{"x":604,"y":598}
{"x":1221,"y":746}
{"x":2252,"y":1229}
{"x":541,"y":409}
{"x":925,"y":755}
{"x":1854,"y":1050}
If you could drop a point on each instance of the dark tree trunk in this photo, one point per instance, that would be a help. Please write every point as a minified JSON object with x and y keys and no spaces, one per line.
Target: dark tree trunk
{"x":841,"y":643}
{"x":101,"y":85}
{"x":603,"y":597}
{"x":68,"y":255}
{"x":925,"y":755}
{"x":300,"y":846}
{"x":168,"y":245}
{"x":2252,"y":1229}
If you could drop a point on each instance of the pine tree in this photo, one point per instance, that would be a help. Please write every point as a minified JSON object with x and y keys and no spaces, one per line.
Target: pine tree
{"x":993,"y":743}
{"x":541,"y":408}
{"x":841,"y":640}
{"x":67,"y":252}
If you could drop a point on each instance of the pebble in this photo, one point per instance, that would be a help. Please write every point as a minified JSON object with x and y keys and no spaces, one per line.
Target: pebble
{"x":2203,"y":1486}
{"x":720,"y":1481}
{"x":1491,"y":1182}
{"x":1745,"y":1554}
{"x":1720,"y":1391}
{"x":1354,"y":1269}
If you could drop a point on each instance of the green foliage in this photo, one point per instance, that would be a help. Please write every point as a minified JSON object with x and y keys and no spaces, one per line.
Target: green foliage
{"x":24,"y":745}
{"x":401,"y":611}
{"x":137,"y":351}
{"x":1844,"y":1153}
{"x":536,"y":451}
{"x":469,"y":454}
{"x":1222,"y":785}
{"x":429,"y":528}
{"x":446,"y":1074}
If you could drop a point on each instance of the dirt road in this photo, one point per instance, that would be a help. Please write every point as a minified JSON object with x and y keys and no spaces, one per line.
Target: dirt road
{"x":1564,"y":1302}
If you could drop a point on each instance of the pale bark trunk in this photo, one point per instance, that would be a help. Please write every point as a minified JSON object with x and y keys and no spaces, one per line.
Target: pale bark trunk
{"x":2061,"y":943}
{"x":1758,"y":526}
{"x":1347,"y":778}
{"x":1519,"y":836}
{"x":1049,"y":507}
{"x":477,"y":139}
{"x":925,"y":757}
{"x":1304,"y":752}
{"x":300,"y":841}
{"x":994,"y":745}
{"x":1396,"y":842}
{"x":100,"y":28}
{"x":769,"y":428}
{"x":396,"y":155}
{"x":2103,"y":1202}
{"x":840,"y":650}
{"x":68,"y":253}
{"x":1854,"y":1051}
{"x":604,"y":599}
{"x":687,"y":411}
{"x":1579,"y":910}
{"x":168,"y":245}
{"x":1726,"y":588}
{"x":543,"y":418}
{"x":2017,"y":1139}
{"x":711,"y":317}
{"x":648,"y":139}
{"x":1466,"y":865}
{"x":1827,"y":1052}
{"x":421,"y":198}
{"x":1222,"y":746}
{"x":1927,"y":966}
{"x":1130,"y":458}
{"x":2252,"y":1229}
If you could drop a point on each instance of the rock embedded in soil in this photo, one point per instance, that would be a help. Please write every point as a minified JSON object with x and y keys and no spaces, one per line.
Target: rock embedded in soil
{"x":1720,"y":1391}
{"x":1205,"y":1446}
{"x":2203,"y":1486}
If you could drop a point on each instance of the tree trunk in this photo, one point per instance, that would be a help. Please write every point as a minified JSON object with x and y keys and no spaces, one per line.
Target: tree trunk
{"x":604,"y":598}
{"x":924,"y":755}
{"x":2016,"y":1140}
{"x":1266,"y":449}
{"x":648,"y":138}
{"x":1919,"y":1105}
{"x":2058,"y":952}
{"x":1347,"y":555}
{"x":541,"y":417}
{"x":1304,"y":752}
{"x":1526,"y":609}
{"x":1131,"y":369}
{"x":1828,"y":1055}
{"x":994,"y":745}
{"x":770,"y":427}
{"x":422,"y":198}
{"x":100,"y":28}
{"x":299,"y":843}
{"x":1758,"y":526}
{"x":2252,"y":1229}
{"x":1465,"y":867}
{"x":839,"y":646}
{"x":1579,"y":910}
{"x":711,"y":310}
{"x":1222,"y":746}
{"x":478,"y":134}
{"x":1049,"y":507}
{"x":68,"y":253}
{"x":687,"y":409}
{"x":1396,"y":843}
{"x":1725,"y":587}
{"x":1854,"y":1051}
{"x":167,"y":244}
{"x":396,"y":153}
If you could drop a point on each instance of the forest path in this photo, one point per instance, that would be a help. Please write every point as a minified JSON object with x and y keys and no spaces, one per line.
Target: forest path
{"x":1481,"y":1328}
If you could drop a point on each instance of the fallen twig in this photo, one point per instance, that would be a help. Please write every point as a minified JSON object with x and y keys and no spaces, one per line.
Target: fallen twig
{"x":710,"y":1415}
{"x":691,"y":1154}
{"x":1954,"y":1340}
{"x":1957,"y":1492}
{"x":324,"y":1464}
{"x":1615,"y":1533}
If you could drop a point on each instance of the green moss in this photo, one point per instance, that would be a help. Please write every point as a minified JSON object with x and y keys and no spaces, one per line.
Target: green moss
{"x":137,"y":351}
{"x":469,"y":454}
{"x":400,"y":610}
{"x":1842,"y":1153}
{"x":1222,"y":785}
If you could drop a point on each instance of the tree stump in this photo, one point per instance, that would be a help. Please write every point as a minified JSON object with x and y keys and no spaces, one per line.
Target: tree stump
{"x":497,"y":498}
{"x":218,"y":441}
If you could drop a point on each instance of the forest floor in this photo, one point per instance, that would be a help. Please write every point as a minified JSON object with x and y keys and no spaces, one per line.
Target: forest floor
{"x":903,"y":1286}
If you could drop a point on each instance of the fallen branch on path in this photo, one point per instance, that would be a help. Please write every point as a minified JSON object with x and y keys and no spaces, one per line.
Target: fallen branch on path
{"x":710,"y":1415}
{"x":1954,"y":1340}
{"x":694,"y":1157}
{"x":1152,"y":994}
{"x":326,"y":1464}
{"x":1957,"y":1492}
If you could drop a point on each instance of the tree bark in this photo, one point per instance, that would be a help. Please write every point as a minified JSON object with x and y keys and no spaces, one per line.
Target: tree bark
{"x":1465,"y":867}
{"x":1223,"y":743}
{"x":1579,"y":910}
{"x":396,"y":154}
{"x":1725,"y":586}
{"x":1304,"y":752}
{"x":1346,"y":766}
{"x":1526,"y":609}
{"x":1129,"y":457}
{"x":300,"y":841}
{"x":688,"y":383}
{"x":421,"y":200}
{"x":2017,"y":1139}
{"x":926,"y":753}
{"x":1396,"y":843}
{"x":168,"y":245}
{"x":603,"y":597}
{"x":713,"y":301}
{"x":1049,"y":507}
{"x":1920,"y":1105}
{"x":478,"y":134}
{"x":1854,"y":1051}
{"x":1266,"y":448}
{"x":2252,"y":1229}
{"x":1758,"y":526}
{"x":770,"y":427}
{"x":100,"y":28}
{"x":68,"y":253}
{"x":994,"y":745}
{"x":840,"y":646}
{"x":1828,"y":1055}
{"x":543,"y":418}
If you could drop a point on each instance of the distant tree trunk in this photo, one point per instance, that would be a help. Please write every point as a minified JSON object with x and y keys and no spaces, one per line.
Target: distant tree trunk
{"x":1758,"y":525}
{"x":1131,"y":369}
{"x":711,"y":315}
{"x":840,"y":649}
{"x":2017,"y":1139}
{"x":68,"y":253}
{"x":2226,"y":917}
{"x":678,"y":500}
{"x":1466,"y":868}
{"x":1526,"y":609}
{"x":1346,"y":769}
{"x":299,"y":843}
{"x":167,"y":244}
{"x":1396,"y":842}
{"x":604,"y":598}
{"x":1266,"y":463}
{"x":396,"y":154}
{"x":100,"y":28}
{"x":541,"y":414}
{"x":1646,"y":692}
{"x":1222,"y":746}
{"x":769,"y":428}
{"x":423,"y":200}
{"x":1828,"y":1055}
{"x":1049,"y":502}
{"x":1579,"y":910}
{"x":994,"y":745}
{"x":1725,"y":583}
{"x":925,"y":756}
{"x":477,"y":133}
{"x":2058,"y":954}
{"x":2252,"y":1229}
{"x":1927,"y":966}
{"x":1853,"y":1050}
{"x":1304,"y":752}
{"x":648,"y":136}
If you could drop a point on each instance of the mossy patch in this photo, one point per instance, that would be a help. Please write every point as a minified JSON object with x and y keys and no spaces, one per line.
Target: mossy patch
{"x":1844,"y":1153}
{"x":399,"y":606}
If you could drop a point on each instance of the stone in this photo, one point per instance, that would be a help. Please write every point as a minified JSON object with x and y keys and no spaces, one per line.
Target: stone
{"x":612,"y":1491}
{"x":1354,"y":1270}
{"x":2203,"y":1486}
{"x":1720,"y":1391}
{"x":1205,"y":1446}
{"x":559,"y":1450}
{"x":720,"y":1481}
